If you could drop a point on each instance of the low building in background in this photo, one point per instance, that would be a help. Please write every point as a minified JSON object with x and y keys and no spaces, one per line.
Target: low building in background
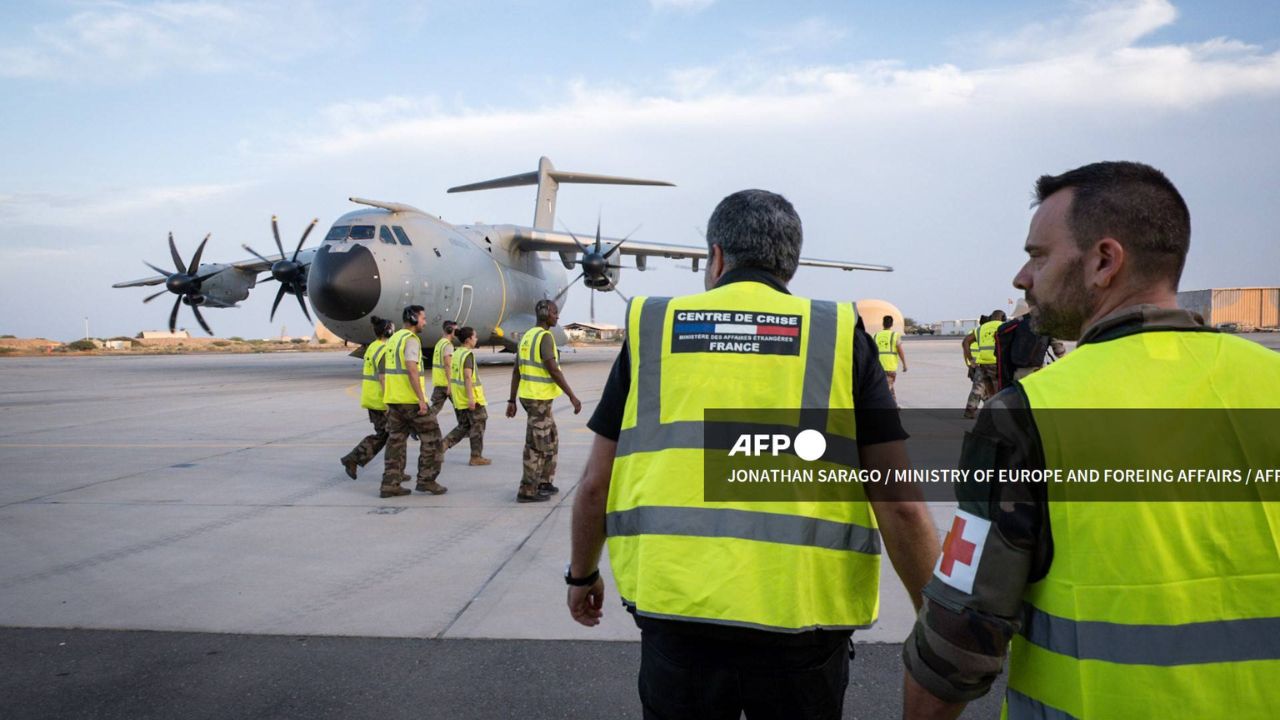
{"x":601,"y":332}
{"x":1237,"y":309}
{"x":957,"y":327}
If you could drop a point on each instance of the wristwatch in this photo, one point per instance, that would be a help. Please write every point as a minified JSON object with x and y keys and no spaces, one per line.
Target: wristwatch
{"x":569,"y":579}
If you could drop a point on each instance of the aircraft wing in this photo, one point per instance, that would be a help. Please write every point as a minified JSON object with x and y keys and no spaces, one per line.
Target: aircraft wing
{"x":253,"y":265}
{"x":533,"y":239}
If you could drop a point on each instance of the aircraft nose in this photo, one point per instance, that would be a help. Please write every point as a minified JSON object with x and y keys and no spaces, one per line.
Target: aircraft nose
{"x":344,"y":285}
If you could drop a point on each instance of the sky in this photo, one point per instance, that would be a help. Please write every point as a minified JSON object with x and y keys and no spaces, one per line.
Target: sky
{"x":908,"y":134}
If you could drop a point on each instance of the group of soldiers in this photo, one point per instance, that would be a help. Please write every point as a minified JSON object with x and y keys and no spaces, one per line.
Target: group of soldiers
{"x":999,"y":352}
{"x":394,"y":392}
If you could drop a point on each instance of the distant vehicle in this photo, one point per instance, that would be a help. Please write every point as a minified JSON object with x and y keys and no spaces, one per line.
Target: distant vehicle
{"x":921,"y":330}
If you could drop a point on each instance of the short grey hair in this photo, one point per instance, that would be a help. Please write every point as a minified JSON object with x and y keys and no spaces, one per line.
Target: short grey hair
{"x":757,"y":229}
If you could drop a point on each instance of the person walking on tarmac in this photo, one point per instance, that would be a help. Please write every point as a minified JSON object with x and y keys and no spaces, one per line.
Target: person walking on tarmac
{"x":748,"y":606}
{"x":441,"y":362}
{"x":889,"y":345}
{"x":468,"y":398}
{"x":371,"y":391}
{"x":983,"y":363}
{"x":1112,"y":609}
{"x":537,"y":380}
{"x":407,"y":411}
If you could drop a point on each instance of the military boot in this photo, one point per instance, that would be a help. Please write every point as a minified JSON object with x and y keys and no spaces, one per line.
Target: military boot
{"x":350,"y":466}
{"x":392,"y":491}
{"x":432,"y":487}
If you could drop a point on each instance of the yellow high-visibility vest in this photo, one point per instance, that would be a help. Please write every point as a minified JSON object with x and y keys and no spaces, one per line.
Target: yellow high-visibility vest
{"x":399,"y":390}
{"x":458,"y":382}
{"x":887,"y":344}
{"x":370,"y":383}
{"x":1154,"y":609}
{"x":440,"y":373}
{"x":780,"y":566}
{"x":986,"y":337}
{"x":536,"y":382}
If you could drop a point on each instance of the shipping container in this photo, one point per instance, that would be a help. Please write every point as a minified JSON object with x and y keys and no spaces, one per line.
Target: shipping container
{"x":1246,"y":308}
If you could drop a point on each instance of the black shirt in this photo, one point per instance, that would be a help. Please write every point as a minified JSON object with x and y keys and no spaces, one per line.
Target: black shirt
{"x":875,"y":412}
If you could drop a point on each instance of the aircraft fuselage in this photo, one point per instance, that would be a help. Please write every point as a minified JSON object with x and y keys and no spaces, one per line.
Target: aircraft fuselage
{"x":376,"y":262}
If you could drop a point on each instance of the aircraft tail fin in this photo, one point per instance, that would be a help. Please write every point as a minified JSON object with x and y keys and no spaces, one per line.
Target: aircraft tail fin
{"x":548,"y":180}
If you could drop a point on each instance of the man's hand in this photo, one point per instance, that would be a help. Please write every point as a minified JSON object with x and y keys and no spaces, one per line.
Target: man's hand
{"x":511,"y":408}
{"x":471,"y":404}
{"x":577,"y":404}
{"x":422,"y":408}
{"x":585,"y":603}
{"x":904,"y":367}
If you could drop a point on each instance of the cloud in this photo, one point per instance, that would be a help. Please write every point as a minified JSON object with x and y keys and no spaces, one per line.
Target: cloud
{"x":813,"y":33}
{"x":88,"y":209}
{"x":1105,"y":27}
{"x":113,"y":41}
{"x":689,"y":6}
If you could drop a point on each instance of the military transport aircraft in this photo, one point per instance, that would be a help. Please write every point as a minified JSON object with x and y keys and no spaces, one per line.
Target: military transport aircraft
{"x":376,"y":261}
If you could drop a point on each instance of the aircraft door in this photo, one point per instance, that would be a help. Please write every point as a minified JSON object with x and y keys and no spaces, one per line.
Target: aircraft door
{"x":464,"y":305}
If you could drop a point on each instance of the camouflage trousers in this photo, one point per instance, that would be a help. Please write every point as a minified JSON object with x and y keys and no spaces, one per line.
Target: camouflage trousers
{"x":401,"y":420}
{"x":371,"y":445}
{"x":541,"y":444}
{"x":470,"y":424}
{"x":438,"y":396}
{"x":984,"y":386}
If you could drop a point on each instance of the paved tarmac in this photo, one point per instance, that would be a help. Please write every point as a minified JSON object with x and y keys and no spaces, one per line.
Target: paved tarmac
{"x":179,"y":540}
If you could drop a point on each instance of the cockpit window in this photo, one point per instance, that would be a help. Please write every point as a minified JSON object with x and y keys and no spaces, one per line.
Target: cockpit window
{"x":404,"y":239}
{"x":384,"y":234}
{"x":337,"y":233}
{"x":362,"y":232}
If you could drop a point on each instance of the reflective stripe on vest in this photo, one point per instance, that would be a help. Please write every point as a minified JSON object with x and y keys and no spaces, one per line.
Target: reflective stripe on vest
{"x":536,"y":382}
{"x":370,"y":384}
{"x":986,"y":338}
{"x":399,"y":390}
{"x":887,"y":344}
{"x":440,"y":373}
{"x":1153,"y":609}
{"x":458,"y":383}
{"x":778,"y":566}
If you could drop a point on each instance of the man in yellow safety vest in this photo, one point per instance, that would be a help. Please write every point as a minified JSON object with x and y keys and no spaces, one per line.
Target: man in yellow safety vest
{"x":441,"y":362}
{"x":537,"y":380}
{"x":407,"y":411}
{"x":983,"y":363}
{"x":759,"y":596}
{"x":1111,"y":601}
{"x":469,"y":403}
{"x":889,"y":346}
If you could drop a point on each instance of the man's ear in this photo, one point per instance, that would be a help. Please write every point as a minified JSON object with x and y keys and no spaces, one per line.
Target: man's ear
{"x":715,"y":266}
{"x":1104,"y":263}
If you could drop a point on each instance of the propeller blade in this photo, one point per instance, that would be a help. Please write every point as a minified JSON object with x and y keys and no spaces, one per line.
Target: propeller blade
{"x":597,"y":234}
{"x":305,"y":233}
{"x":173,"y":315}
{"x":303,"y":305}
{"x":276,"y":304}
{"x":149,"y":298}
{"x":624,"y":297}
{"x":201,"y":278}
{"x":195,"y":259}
{"x":200,"y":319}
{"x":275,"y":230}
{"x":165,"y":273}
{"x":256,"y":254}
{"x":177,"y":259}
{"x":614,"y":249}
{"x":556,"y":299}
{"x":581,"y":247}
